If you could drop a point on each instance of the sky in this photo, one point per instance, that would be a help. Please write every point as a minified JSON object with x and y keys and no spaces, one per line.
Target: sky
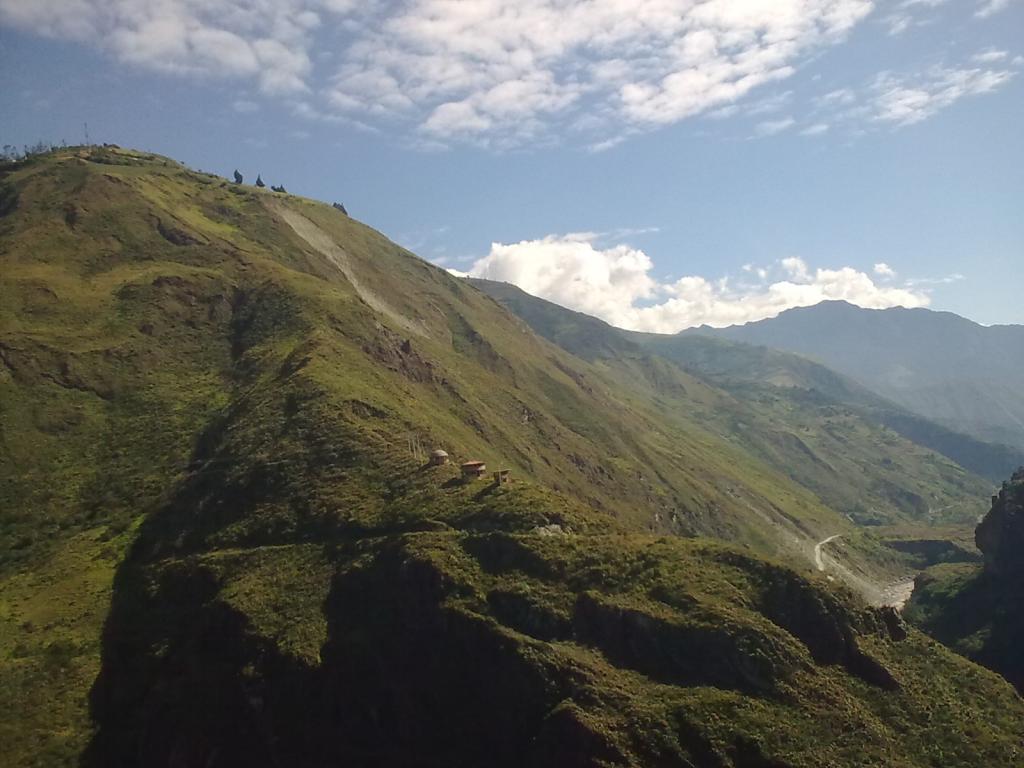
{"x":657,"y":163}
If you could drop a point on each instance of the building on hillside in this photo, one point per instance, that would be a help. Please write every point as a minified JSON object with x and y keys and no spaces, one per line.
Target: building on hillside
{"x":502,"y":476}
{"x":438,"y":457}
{"x":474,"y":469}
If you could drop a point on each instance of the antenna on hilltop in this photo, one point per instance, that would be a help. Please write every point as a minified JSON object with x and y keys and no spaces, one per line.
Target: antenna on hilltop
{"x":86,"y":125}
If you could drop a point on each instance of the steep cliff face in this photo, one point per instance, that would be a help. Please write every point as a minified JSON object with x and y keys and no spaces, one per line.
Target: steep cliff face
{"x":977,"y":610}
{"x":1000,"y":535}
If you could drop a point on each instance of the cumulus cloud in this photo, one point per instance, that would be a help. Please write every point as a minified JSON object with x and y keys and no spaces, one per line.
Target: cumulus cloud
{"x":268,"y":41}
{"x":884,"y":270}
{"x":573,"y":271}
{"x":498,"y":72}
{"x":617,"y":284}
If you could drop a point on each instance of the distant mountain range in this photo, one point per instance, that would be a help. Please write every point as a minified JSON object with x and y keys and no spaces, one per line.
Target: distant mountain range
{"x":962,"y":375}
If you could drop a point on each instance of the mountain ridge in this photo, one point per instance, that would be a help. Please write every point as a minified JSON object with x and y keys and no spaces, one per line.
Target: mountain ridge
{"x":939,"y":365}
{"x":216,"y":420}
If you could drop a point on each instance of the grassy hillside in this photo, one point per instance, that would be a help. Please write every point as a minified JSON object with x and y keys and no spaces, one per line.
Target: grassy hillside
{"x":819,"y":428}
{"x":218,"y":521}
{"x":738,"y":366}
{"x":136,"y":293}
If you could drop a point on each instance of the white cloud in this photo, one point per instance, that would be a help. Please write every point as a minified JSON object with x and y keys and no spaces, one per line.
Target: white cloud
{"x":495,"y":72}
{"x":989,"y":56}
{"x":901,"y":99}
{"x":817,"y":129}
{"x":907,"y":14}
{"x":516,"y":69}
{"x":840,"y":96}
{"x":884,"y":270}
{"x":945,"y":280}
{"x":508,"y":73}
{"x":268,"y":41}
{"x":898,"y":23}
{"x":991,"y":7}
{"x":571,"y":270}
{"x":774,"y":103}
{"x":773,"y":127}
{"x":605,"y":144}
{"x":907,"y":100}
{"x":616,"y":284}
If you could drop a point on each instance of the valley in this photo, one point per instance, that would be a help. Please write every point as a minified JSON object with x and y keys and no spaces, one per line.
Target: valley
{"x":964,"y":376}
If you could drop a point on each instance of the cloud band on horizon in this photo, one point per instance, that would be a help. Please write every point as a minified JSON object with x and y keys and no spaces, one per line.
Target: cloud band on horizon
{"x":616,"y":284}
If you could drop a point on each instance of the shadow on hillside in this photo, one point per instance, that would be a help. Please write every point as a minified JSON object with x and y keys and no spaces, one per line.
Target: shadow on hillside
{"x":403,"y":681}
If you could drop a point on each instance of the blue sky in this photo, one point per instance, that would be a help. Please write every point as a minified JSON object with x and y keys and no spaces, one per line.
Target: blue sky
{"x":659,"y":163}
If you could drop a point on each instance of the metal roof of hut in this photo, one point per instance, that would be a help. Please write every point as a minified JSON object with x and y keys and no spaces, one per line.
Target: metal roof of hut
{"x":473,"y":469}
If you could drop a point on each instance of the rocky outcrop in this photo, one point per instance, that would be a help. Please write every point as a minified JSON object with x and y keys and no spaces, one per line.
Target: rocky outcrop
{"x":175,"y":235}
{"x":821,"y":623}
{"x":977,"y":610}
{"x":1000,"y":536}
{"x":675,"y":651}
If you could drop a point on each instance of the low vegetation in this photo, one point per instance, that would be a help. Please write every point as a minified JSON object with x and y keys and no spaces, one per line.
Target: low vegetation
{"x":225,"y":545}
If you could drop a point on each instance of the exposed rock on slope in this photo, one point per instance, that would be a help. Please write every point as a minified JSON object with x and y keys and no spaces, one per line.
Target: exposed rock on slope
{"x":1000,"y":536}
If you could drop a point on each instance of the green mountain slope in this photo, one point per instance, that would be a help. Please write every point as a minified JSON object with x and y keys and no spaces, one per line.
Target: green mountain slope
{"x":965,"y":376}
{"x":821,"y":429}
{"x":740,"y":368}
{"x":217,"y":404}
